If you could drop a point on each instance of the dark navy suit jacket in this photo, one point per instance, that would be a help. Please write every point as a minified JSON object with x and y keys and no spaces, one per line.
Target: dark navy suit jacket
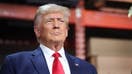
{"x":34,"y":62}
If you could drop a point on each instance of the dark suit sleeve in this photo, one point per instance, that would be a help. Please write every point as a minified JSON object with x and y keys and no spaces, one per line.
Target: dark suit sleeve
{"x":7,"y":67}
{"x":89,"y":69}
{"x":93,"y":70}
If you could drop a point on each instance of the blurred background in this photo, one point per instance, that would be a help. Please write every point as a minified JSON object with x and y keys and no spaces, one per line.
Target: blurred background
{"x":100,"y":31}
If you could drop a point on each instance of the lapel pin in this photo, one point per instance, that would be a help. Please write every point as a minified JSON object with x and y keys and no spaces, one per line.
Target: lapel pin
{"x":76,"y":64}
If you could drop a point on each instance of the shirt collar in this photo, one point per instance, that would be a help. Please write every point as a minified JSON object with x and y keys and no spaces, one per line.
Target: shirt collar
{"x":49,"y":52}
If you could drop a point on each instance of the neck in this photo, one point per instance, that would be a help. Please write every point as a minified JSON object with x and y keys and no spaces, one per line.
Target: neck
{"x":55,"y":46}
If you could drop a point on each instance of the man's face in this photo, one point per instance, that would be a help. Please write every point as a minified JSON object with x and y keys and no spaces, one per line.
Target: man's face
{"x":53,"y":28}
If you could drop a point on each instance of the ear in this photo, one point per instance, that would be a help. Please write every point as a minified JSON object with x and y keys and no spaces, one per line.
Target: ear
{"x":67,"y":31}
{"x":37,"y":31}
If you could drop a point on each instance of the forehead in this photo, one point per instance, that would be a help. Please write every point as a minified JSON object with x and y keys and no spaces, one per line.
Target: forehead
{"x":53,"y":15}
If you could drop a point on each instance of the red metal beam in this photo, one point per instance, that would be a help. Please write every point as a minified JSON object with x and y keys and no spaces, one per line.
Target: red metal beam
{"x":106,"y":20}
{"x":17,"y":11}
{"x":90,"y":18}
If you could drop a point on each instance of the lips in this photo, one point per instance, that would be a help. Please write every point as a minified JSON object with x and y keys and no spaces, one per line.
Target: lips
{"x":56,"y":33}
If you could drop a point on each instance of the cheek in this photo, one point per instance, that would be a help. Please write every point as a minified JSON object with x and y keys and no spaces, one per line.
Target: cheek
{"x":43,"y":29}
{"x":45,"y":32}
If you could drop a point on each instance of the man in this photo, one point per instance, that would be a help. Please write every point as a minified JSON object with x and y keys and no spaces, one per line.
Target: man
{"x":51,"y":30}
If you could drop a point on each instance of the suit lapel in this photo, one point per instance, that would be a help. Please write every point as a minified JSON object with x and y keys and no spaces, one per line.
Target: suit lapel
{"x":73,"y":64}
{"x":39,"y":62}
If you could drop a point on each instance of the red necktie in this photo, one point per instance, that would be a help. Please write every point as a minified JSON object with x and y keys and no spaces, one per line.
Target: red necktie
{"x":57,"y":66}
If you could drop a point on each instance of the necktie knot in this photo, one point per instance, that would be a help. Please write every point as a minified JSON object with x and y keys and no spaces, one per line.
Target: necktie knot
{"x":56,"y":55}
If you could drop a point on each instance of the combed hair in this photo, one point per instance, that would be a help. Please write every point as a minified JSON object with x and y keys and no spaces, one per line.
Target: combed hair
{"x":51,"y":8}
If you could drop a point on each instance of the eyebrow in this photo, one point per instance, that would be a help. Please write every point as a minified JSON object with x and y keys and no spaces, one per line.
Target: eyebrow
{"x":55,"y":18}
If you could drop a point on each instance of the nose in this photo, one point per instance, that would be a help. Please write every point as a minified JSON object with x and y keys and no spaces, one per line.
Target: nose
{"x":56,"y":24}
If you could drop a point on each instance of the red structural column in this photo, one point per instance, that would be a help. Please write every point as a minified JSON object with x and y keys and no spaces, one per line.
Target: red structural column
{"x":79,"y":34}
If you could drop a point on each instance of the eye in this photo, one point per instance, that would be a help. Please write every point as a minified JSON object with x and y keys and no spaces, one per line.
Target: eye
{"x":61,"y":20}
{"x":49,"y":20}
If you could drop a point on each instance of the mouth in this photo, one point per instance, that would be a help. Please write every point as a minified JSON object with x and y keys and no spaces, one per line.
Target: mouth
{"x":56,"y":33}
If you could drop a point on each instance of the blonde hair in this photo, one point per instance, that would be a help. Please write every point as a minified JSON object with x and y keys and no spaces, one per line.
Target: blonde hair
{"x":51,"y":8}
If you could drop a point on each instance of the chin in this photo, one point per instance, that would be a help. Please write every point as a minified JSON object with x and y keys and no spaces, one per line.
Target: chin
{"x":58,"y":41}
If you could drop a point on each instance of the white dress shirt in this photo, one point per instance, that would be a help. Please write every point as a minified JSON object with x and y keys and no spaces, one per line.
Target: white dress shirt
{"x":49,"y":58}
